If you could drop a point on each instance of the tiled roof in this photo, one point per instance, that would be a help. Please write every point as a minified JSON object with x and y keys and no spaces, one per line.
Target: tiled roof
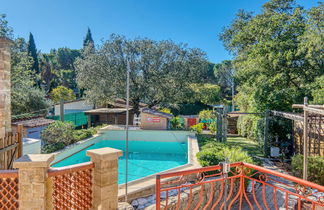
{"x":157,"y":113}
{"x":189,"y":116}
{"x":34,"y":122}
{"x":106,"y":111}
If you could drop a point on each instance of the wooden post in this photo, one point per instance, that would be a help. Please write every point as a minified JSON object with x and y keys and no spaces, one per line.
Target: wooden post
{"x":225,"y":126}
{"x":265,"y":134}
{"x":89,"y":120}
{"x":20,"y":140}
{"x":219,"y":126}
{"x":305,"y":161}
{"x":116,"y":119}
{"x":216,"y":125}
{"x":62,"y":109}
{"x":233,"y":105}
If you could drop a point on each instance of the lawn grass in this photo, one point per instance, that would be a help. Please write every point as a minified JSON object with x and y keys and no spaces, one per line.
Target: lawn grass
{"x":248,"y":145}
{"x":251,"y":147}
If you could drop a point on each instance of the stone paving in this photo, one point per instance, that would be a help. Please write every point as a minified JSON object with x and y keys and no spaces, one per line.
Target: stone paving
{"x":268,"y":198}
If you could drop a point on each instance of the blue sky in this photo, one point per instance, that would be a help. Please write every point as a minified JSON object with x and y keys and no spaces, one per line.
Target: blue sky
{"x":63,"y":23}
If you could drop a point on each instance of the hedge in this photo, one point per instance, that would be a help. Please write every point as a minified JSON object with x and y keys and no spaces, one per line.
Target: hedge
{"x":315,"y":168}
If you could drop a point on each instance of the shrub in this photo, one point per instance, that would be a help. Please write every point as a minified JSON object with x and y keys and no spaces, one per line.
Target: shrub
{"x":83,"y":133}
{"x":53,"y":147}
{"x":315,"y":168}
{"x":62,"y":92}
{"x":213,"y":153}
{"x":206,"y":115}
{"x":166,"y":110}
{"x":204,"y":139}
{"x":213,"y":127}
{"x":176,"y":123}
{"x":59,"y":132}
{"x":251,"y":127}
{"x":198,"y":128}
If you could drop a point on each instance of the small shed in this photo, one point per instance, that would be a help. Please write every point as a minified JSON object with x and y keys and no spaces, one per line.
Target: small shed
{"x":32,"y":128}
{"x":232,"y":119}
{"x":190,"y":120}
{"x":155,"y":120}
{"x":110,"y":116}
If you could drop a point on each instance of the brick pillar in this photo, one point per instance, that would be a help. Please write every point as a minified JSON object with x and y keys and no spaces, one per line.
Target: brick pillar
{"x":33,"y":172}
{"x":105,"y":177}
{"x":5,"y":86}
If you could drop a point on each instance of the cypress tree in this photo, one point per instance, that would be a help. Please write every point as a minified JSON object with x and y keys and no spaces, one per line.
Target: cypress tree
{"x":88,"y":39}
{"x":32,"y":52}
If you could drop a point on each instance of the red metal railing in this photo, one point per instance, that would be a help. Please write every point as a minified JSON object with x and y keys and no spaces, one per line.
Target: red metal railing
{"x":9,"y":189}
{"x":244,"y":186}
{"x":72,"y":186}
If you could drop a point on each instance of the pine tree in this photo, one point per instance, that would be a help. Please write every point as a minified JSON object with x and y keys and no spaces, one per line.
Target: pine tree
{"x":32,"y":52}
{"x":88,"y":39}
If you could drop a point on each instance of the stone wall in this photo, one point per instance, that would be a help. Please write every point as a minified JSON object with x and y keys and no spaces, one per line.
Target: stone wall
{"x":5,"y":86}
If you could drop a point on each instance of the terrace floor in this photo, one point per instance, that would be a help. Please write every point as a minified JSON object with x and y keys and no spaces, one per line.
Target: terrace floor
{"x":266,"y":196}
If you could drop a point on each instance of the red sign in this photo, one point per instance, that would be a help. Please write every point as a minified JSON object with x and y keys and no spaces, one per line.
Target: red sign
{"x":192,"y":121}
{"x":153,"y":119}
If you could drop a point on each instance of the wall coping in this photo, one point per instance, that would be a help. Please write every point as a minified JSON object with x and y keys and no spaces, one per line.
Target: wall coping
{"x":105,"y":153}
{"x":34,"y":161}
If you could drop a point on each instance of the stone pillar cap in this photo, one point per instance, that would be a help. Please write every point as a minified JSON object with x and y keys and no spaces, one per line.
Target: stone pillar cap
{"x":105,"y":153}
{"x":34,"y":161}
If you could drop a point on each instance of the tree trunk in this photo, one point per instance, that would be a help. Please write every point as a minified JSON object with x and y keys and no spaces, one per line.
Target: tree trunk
{"x":136,"y":106}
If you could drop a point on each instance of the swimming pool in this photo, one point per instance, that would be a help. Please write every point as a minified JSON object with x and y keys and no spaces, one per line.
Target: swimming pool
{"x":145,"y":157}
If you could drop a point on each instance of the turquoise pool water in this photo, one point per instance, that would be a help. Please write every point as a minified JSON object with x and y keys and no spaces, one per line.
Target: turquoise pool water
{"x":145,"y":157}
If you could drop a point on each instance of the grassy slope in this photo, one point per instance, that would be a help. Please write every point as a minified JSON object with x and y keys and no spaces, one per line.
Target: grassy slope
{"x":248,"y":145}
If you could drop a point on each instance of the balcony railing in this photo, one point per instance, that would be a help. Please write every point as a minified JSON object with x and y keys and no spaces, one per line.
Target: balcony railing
{"x":236,"y":186}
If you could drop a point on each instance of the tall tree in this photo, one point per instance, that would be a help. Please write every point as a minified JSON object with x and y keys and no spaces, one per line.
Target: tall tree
{"x":32,"y":52}
{"x":5,"y":29}
{"x":161,"y":72}
{"x":272,"y":71}
{"x":88,"y":41}
{"x":57,"y":68}
{"x":25,"y":97}
{"x":49,"y":73}
{"x":278,"y":54}
{"x":224,"y":74}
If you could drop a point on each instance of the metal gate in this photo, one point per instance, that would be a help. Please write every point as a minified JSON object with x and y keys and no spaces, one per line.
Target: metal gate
{"x":236,"y":186}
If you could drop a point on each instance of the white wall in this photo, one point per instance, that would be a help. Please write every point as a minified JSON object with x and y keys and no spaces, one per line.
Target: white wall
{"x":35,"y":133}
{"x":76,"y":105}
{"x":147,"y":135}
{"x":31,"y":146}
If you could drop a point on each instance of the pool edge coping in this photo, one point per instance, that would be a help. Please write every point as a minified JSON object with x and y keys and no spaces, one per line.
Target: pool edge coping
{"x":146,"y":183}
{"x":134,"y":189}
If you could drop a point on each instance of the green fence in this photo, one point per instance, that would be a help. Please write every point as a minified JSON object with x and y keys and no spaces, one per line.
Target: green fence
{"x":78,"y":118}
